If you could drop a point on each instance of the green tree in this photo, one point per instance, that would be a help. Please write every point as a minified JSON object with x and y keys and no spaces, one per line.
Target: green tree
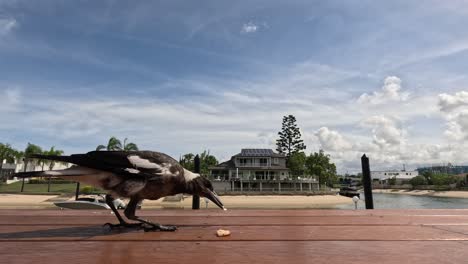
{"x":187,"y":161}
{"x":206,"y":160}
{"x":296,"y":164}
{"x":392,"y":180}
{"x":8,"y":154}
{"x":129,"y":146}
{"x":418,"y":180}
{"x":319,"y":164}
{"x":443,"y":179}
{"x":428,"y":176}
{"x":116,"y":144}
{"x":30,"y":150}
{"x":289,"y":137}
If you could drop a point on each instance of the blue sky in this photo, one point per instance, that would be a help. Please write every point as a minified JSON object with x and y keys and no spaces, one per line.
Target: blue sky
{"x":386,"y":78}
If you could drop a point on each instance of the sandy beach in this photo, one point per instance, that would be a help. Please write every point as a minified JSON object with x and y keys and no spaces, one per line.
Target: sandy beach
{"x":450,"y":194}
{"x":12,"y":201}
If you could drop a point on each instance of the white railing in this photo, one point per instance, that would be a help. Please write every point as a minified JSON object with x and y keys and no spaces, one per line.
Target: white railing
{"x":255,"y":164}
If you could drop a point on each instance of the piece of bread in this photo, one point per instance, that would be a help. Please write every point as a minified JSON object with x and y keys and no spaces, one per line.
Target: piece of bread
{"x":222,"y":232}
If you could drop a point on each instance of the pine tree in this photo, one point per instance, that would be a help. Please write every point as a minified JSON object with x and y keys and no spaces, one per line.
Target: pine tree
{"x":289,"y":137}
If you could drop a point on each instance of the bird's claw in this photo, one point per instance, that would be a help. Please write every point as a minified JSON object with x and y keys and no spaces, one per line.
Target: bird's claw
{"x":122,"y":225}
{"x":157,"y":227}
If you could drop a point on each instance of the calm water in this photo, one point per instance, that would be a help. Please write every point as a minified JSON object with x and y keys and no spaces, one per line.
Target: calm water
{"x":400,"y":201}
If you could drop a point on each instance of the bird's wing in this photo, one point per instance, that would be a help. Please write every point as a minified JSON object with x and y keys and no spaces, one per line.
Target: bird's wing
{"x":147,"y":164}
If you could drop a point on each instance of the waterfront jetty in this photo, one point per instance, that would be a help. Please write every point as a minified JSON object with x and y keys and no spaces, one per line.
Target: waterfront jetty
{"x":257,"y":236}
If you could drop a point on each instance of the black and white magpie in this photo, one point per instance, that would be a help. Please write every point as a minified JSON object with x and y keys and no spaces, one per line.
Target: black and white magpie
{"x":136,"y":175}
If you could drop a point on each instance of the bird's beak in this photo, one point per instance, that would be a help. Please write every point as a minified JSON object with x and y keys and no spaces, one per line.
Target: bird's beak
{"x":215,"y":199}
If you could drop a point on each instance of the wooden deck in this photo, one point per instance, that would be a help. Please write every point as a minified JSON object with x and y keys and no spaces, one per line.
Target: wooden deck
{"x":258,"y":236}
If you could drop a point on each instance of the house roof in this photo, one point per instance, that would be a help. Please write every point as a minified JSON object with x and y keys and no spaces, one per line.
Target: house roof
{"x":224,"y":165}
{"x":258,"y":153}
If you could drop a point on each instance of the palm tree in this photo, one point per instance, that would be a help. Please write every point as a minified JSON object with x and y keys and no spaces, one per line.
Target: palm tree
{"x":116,"y":144}
{"x":30,"y":149}
{"x":43,"y":162}
{"x":52,"y":152}
{"x":129,"y":146}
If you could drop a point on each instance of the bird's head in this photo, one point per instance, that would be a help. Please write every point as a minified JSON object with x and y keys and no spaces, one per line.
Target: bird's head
{"x":199,"y":185}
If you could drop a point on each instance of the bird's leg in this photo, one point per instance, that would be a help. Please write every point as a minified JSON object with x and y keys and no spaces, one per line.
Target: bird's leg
{"x":122,"y":223}
{"x":130,"y":214}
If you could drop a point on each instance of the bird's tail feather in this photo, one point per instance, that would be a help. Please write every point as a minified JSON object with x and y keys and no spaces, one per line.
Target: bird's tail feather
{"x":52,"y":157}
{"x":70,"y":172}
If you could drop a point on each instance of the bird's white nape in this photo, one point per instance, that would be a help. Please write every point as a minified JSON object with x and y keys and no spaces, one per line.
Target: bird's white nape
{"x":188,"y":175}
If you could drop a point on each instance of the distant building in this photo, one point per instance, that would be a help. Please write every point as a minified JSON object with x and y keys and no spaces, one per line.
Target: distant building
{"x":259,"y":170}
{"x":388,"y":174}
{"x":448,"y":169}
{"x":252,"y":164}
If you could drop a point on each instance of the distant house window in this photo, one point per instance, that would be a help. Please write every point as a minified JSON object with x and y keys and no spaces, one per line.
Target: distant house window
{"x":275,"y":161}
{"x":406,"y":173}
{"x":385,"y":173}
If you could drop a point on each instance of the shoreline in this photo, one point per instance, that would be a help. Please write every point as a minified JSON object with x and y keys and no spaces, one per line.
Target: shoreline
{"x":24,"y":201}
{"x":446,"y":194}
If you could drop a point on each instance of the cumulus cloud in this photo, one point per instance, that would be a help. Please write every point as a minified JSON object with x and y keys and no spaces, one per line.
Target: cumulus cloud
{"x":7,"y":25}
{"x":457,"y":126}
{"x":385,"y":132}
{"x":391,"y":91}
{"x":448,"y":103}
{"x":332,"y":140}
{"x":454,"y":107}
{"x":239,"y":114}
{"x":249,"y":27}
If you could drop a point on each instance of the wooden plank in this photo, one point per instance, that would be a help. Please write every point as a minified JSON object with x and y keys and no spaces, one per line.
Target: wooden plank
{"x":349,"y":252}
{"x":240,"y":212}
{"x":243,"y":221}
{"x":246,"y":233}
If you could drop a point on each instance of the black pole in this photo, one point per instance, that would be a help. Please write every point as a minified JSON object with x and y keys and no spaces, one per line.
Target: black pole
{"x":77,"y":192}
{"x":196,"y":198}
{"x":25,"y":166}
{"x":48,"y":185}
{"x":367,"y":182}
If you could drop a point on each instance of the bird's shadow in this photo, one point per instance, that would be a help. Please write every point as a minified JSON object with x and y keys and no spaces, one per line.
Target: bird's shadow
{"x":82,"y":232}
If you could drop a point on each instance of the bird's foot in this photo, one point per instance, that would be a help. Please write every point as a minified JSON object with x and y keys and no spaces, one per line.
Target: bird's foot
{"x":158,"y":227}
{"x":122,"y":225}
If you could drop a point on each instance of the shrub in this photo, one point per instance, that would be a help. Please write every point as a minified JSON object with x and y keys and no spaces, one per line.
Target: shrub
{"x":88,"y":190}
{"x":418,"y":180}
{"x":444,"y":179}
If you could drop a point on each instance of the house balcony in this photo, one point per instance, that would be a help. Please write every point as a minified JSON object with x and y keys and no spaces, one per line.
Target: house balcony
{"x":254,"y":164}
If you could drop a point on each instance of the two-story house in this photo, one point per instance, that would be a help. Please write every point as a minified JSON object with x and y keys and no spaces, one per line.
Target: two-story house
{"x":252,"y":164}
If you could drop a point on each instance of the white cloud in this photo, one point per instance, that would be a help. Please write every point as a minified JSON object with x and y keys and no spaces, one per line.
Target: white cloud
{"x":448,"y":103}
{"x":386,"y":134}
{"x":249,"y":27}
{"x":391,"y":91}
{"x":11,"y":98}
{"x":455,"y":110}
{"x":7,"y":25}
{"x":239,"y":114}
{"x":332,"y":140}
